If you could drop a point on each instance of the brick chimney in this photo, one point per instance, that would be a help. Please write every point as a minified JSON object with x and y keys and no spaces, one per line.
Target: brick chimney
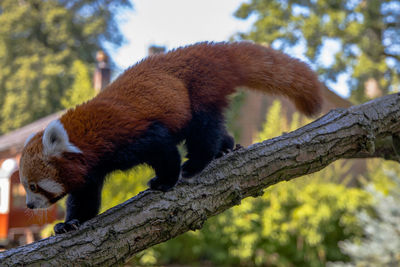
{"x":102,"y":74}
{"x":155,"y":49}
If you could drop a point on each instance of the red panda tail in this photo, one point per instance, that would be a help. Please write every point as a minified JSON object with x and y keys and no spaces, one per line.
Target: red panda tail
{"x":270,"y":71}
{"x":211,"y":71}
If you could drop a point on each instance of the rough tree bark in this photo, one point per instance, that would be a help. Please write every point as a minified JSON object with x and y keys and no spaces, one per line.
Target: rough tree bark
{"x":368,"y":130}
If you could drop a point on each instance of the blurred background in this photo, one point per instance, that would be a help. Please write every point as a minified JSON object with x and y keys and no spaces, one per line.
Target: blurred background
{"x":56,"y":54}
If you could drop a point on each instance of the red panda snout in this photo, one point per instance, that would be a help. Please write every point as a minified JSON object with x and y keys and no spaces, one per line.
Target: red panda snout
{"x":36,"y":200}
{"x":42,"y":194}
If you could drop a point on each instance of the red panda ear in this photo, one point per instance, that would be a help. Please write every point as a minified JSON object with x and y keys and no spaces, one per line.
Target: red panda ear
{"x":29,"y":138}
{"x":55,"y":140}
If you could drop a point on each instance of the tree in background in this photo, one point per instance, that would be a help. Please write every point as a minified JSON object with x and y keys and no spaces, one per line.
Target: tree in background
{"x":47,"y":50}
{"x":367,"y":31}
{"x":82,"y":87}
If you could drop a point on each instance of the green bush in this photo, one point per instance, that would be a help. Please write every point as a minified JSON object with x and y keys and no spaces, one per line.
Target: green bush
{"x":122,"y":185}
{"x":296,"y":223}
{"x":380,"y":243}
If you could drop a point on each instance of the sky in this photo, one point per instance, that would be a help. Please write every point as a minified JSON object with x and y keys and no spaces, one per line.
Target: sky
{"x":174,"y":23}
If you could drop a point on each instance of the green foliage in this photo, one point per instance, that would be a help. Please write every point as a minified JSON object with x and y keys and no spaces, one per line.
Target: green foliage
{"x":120,"y":185}
{"x":44,"y":45}
{"x":293,"y":224}
{"x":275,"y":123}
{"x":81,"y":89}
{"x":232,"y":114}
{"x":380,"y":245}
{"x":366,"y":31}
{"x":296,"y":223}
{"x":381,"y":174}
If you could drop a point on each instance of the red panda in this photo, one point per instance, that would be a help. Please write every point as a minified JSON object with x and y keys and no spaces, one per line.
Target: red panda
{"x":142,"y":116}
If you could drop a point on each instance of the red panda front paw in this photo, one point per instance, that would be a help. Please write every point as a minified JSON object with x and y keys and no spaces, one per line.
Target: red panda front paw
{"x":161,"y":185}
{"x":61,"y":228}
{"x":192,"y":167}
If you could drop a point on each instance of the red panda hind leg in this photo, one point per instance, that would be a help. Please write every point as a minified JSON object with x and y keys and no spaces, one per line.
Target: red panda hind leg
{"x":158,"y":149}
{"x":206,"y":139}
{"x":227,"y":144}
{"x":166,"y":164}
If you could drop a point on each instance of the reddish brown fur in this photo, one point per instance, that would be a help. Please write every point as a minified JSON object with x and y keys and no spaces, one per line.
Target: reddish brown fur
{"x":36,"y":165}
{"x":215,"y":70}
{"x":157,"y":89}
{"x":169,"y":87}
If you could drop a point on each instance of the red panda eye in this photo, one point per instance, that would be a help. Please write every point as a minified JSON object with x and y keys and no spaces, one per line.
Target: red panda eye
{"x":33,"y":187}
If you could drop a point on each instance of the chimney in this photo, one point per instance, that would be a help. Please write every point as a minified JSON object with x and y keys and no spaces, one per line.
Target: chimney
{"x":102,"y":74}
{"x":155,"y":49}
{"x":372,"y":89}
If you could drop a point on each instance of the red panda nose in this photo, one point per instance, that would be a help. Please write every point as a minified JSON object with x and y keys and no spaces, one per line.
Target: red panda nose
{"x":31,"y":206}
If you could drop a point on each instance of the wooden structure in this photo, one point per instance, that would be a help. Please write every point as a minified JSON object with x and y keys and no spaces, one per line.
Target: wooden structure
{"x":19,"y":225}
{"x":102,"y":74}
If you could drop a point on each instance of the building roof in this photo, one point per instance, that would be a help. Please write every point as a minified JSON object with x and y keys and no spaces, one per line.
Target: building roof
{"x":14,"y":141}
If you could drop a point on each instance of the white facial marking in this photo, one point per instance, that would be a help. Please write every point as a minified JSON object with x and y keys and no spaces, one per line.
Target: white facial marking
{"x":37,"y":200}
{"x":51,"y":186}
{"x":56,"y":140}
{"x":22,"y":179}
{"x":29,"y":138}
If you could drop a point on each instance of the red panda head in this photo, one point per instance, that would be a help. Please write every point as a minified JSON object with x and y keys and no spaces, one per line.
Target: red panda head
{"x":48,"y":158}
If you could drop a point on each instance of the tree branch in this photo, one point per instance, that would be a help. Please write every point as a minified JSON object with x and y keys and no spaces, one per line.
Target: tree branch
{"x":368,"y":130}
{"x":397,"y":57}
